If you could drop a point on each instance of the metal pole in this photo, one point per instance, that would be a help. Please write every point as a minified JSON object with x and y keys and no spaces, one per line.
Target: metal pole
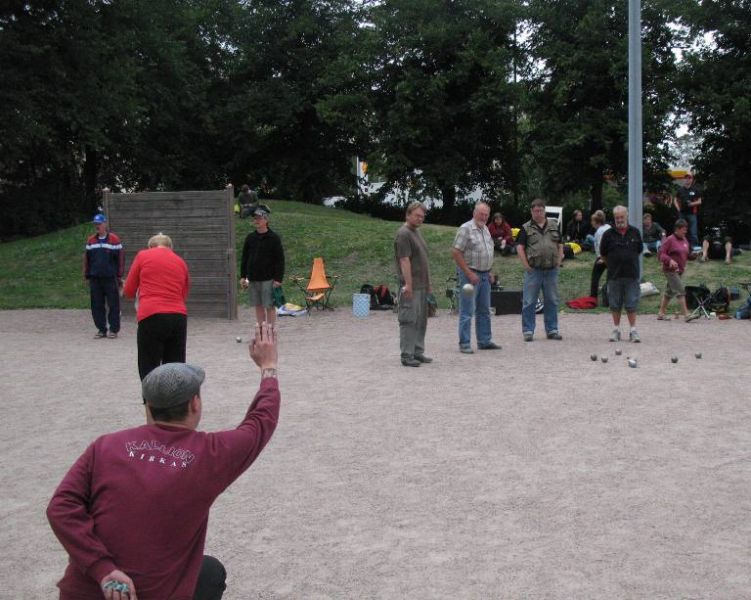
{"x":635,"y":181}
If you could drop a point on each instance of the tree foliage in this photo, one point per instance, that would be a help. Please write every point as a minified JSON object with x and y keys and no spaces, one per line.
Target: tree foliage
{"x":716,"y":93}
{"x":578,"y":98}
{"x":518,"y":97}
{"x":442,"y":93}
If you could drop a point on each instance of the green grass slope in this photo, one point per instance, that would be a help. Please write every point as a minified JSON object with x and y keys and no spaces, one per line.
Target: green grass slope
{"x":45,"y":272}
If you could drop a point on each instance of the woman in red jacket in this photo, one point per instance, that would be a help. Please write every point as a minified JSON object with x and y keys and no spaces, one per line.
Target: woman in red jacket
{"x":159,"y":280}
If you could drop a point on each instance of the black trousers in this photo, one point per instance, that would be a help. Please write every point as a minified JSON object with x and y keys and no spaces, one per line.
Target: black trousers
{"x":597,"y":270}
{"x":161,"y":339}
{"x":105,"y":295}
{"x":211,"y":580}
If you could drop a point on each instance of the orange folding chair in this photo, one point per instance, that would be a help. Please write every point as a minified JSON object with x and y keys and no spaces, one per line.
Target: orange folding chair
{"x":318,"y":289}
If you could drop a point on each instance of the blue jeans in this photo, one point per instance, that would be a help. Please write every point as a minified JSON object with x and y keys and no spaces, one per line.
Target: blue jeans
{"x":478,"y":305}
{"x":693,"y":230}
{"x":547,"y":279}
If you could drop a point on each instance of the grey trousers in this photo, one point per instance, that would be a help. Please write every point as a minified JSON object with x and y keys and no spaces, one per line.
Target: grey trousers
{"x":413,"y":321}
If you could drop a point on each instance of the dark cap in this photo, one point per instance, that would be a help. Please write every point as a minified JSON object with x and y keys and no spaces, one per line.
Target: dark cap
{"x":262,"y":211}
{"x":172,"y":384}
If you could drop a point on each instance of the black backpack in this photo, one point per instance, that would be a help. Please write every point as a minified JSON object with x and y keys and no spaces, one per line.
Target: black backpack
{"x":719,"y":301}
{"x":381,"y":297}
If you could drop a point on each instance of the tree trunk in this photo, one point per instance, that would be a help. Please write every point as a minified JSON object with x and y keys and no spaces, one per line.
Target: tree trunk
{"x":90,"y":176}
{"x":596,"y":195}
{"x":448,"y":195}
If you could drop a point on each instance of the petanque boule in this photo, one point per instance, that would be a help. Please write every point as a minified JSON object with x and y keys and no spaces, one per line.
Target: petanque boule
{"x":632,"y":363}
{"x":593,"y":357}
{"x":673,"y":359}
{"x":698,"y":355}
{"x":468,"y":289}
{"x":238,"y":339}
{"x":604,"y":359}
{"x":618,"y":351}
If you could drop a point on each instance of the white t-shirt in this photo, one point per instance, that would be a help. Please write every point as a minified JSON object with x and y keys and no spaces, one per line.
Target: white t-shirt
{"x":598,"y":237}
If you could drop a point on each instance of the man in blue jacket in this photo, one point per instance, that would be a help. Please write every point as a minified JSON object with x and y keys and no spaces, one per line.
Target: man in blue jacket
{"x":103,"y":265}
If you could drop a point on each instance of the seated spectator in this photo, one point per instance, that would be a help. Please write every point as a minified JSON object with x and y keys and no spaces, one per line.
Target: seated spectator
{"x":717,"y":246}
{"x":653,"y":235}
{"x":578,"y":231}
{"x":500,"y":231}
{"x":247,"y":200}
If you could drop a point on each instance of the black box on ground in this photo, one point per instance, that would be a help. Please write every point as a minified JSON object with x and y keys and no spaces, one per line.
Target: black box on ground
{"x":506,"y":302}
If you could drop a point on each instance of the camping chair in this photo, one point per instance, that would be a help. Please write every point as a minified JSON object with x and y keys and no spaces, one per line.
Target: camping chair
{"x":318,"y":289}
{"x":698,"y":298}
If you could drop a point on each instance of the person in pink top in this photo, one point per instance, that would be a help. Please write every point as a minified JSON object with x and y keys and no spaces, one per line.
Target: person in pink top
{"x":673,"y":255}
{"x":159,"y":279}
{"x":133,"y":510}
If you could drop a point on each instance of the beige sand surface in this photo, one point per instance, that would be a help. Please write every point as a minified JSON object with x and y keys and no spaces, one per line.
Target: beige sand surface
{"x":526,"y":473}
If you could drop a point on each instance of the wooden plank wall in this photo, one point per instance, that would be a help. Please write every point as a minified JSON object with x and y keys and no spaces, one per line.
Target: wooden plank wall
{"x":201,"y":225}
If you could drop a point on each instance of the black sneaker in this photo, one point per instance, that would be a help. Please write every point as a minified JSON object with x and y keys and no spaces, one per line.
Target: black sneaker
{"x":100,"y":334}
{"x":423,"y":359}
{"x":410,"y":362}
{"x":554,"y":335}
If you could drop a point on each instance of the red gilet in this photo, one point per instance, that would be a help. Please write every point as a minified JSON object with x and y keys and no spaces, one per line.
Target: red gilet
{"x":161,"y":279}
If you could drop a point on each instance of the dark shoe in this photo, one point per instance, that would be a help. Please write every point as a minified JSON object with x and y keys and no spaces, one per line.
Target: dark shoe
{"x":423,"y":359}
{"x":100,"y":334}
{"x":554,"y":335}
{"x":466,"y":350}
{"x":528,"y":337}
{"x":112,"y":335}
{"x":489,"y":346}
{"x":410,"y":362}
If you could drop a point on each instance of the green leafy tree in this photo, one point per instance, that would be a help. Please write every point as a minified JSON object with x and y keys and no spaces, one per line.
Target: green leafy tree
{"x":716,"y":92}
{"x":296,"y":92}
{"x":443,"y":97}
{"x":578,"y":96}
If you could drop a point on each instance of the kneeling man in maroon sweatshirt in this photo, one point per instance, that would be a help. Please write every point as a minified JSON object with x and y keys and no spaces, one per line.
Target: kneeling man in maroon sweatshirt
{"x":132,"y":512}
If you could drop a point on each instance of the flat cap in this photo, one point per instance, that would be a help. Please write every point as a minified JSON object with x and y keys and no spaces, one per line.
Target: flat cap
{"x":172,"y":384}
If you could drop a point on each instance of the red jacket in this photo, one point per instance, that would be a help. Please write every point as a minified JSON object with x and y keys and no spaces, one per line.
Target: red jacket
{"x":138,"y":500}
{"x":501,"y":232}
{"x":161,"y":279}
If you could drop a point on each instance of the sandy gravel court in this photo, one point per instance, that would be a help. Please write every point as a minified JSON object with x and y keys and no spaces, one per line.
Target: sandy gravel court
{"x":531,"y":472}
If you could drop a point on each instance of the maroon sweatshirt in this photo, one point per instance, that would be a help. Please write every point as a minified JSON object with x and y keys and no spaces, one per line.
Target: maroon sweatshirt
{"x":676,"y":249}
{"x":138,"y":500}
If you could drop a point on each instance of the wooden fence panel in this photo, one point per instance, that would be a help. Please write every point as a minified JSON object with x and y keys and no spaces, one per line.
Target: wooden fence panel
{"x":202,"y":227}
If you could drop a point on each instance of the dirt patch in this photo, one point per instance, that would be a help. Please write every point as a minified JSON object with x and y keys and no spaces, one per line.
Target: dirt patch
{"x":529,"y":472}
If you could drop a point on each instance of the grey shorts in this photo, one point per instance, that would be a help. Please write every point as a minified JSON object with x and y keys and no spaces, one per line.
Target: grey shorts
{"x":261,"y":293}
{"x":674,"y":285}
{"x":623,"y":293}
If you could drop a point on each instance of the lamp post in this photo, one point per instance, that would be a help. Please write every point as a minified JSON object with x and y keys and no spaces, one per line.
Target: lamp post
{"x":635,"y":159}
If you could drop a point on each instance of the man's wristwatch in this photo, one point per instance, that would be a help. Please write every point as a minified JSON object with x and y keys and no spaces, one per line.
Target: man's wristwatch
{"x":268,"y":373}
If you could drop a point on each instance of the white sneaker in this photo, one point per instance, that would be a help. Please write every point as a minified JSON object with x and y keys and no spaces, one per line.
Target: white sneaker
{"x":615,"y":336}
{"x":633,"y":336}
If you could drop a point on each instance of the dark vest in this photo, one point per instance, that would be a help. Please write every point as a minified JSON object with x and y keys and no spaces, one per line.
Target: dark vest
{"x":542,"y":245}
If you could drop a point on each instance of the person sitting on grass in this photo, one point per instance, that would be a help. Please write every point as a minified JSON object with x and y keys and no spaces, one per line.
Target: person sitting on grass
{"x":578,"y":231}
{"x":653,"y":234}
{"x":500,"y":231}
{"x":717,"y":246}
{"x":673,"y":256}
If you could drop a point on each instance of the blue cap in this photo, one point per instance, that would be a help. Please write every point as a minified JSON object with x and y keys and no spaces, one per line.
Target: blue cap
{"x":100,"y":218}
